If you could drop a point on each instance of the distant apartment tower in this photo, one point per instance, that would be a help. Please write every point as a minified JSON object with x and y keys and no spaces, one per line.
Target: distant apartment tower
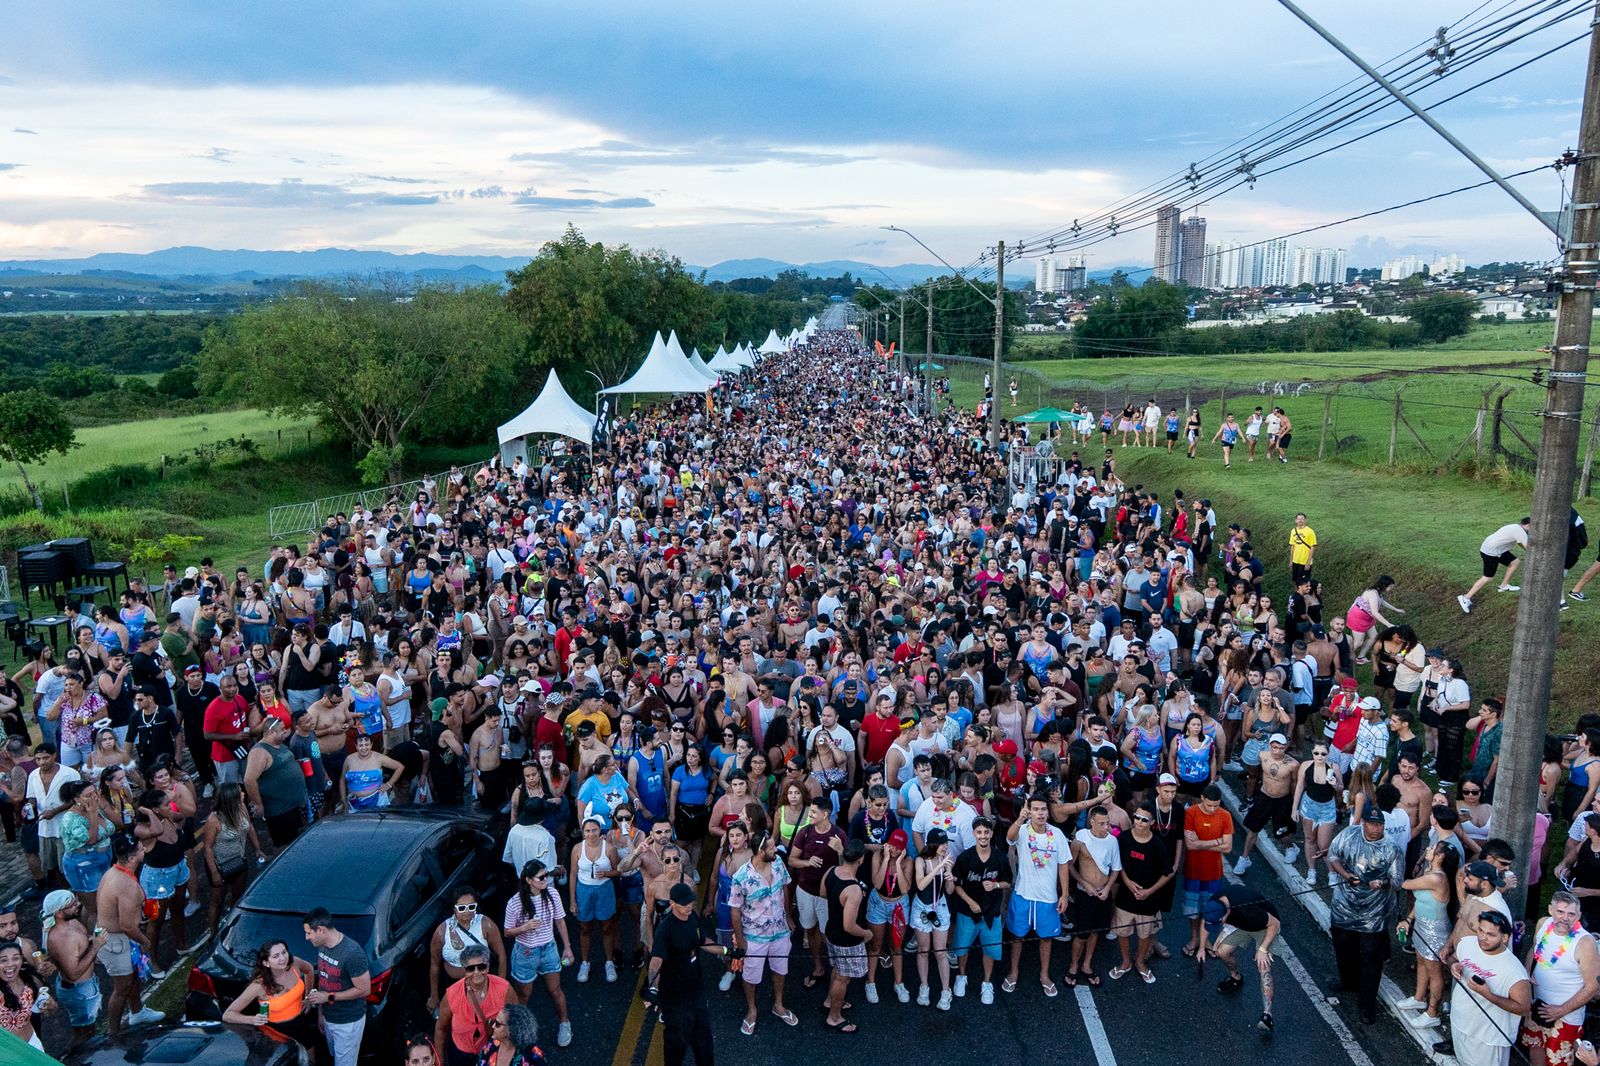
{"x":1045,"y":276}
{"x":1447,"y":264}
{"x":1169,"y":244}
{"x":1317,"y":266}
{"x":1402,"y":268}
{"x":1192,"y":251}
{"x":1275,"y":263}
{"x":1076,"y":273}
{"x":1228,"y":265}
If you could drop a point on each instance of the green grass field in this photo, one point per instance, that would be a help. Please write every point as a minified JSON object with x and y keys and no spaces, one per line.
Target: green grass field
{"x":146,"y":441}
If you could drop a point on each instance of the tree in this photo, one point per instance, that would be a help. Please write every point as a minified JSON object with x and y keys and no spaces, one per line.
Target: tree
{"x":33,"y":425}
{"x":1131,"y":319}
{"x":383,"y":365}
{"x":1442,"y":315}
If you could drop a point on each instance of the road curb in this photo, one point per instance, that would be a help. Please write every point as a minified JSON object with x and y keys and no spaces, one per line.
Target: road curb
{"x":1389,"y":993}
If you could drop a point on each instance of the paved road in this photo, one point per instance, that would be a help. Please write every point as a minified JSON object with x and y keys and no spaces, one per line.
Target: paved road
{"x":1120,"y":1022}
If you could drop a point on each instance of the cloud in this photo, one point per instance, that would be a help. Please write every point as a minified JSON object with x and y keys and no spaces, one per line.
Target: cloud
{"x":9,"y":166}
{"x":218,"y":155}
{"x":19,"y":129}
{"x":389,"y":177}
{"x":289,"y":193}
{"x":614,"y":155}
{"x":579,"y":203}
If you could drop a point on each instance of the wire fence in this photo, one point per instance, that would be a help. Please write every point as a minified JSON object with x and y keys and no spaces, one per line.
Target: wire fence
{"x":296,"y":518}
{"x":1473,"y":419}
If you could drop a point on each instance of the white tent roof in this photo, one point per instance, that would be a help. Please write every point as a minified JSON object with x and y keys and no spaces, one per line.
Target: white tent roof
{"x":727,"y":362}
{"x":553,"y":412}
{"x":811,"y":324}
{"x":742,"y":357}
{"x":772,"y":344}
{"x":700,"y":367}
{"x":661,"y":372}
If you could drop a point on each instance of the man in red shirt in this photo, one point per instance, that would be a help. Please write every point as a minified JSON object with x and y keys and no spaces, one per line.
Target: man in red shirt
{"x":879,"y":729}
{"x":227,"y":726}
{"x":547,"y":727}
{"x":566,"y":636}
{"x":1207,"y":837}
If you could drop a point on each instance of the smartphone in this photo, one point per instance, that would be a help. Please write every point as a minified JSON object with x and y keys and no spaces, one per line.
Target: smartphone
{"x":1477,"y":979}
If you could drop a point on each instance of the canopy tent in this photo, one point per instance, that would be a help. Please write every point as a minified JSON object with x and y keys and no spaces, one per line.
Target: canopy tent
{"x":701,"y":368}
{"x":772,"y":345}
{"x":725,"y":362}
{"x":675,"y":352}
{"x":811,"y":325}
{"x":661,"y":373}
{"x":1046,"y":414}
{"x":553,"y":412}
{"x":744,"y":356}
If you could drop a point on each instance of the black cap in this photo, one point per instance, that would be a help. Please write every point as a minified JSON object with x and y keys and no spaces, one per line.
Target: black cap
{"x":682,"y":895}
{"x":1372,"y":814}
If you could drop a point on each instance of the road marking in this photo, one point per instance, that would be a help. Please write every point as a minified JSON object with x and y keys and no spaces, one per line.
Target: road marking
{"x":1347,"y":1039}
{"x":628,"y":1039}
{"x":1097,"y":1031}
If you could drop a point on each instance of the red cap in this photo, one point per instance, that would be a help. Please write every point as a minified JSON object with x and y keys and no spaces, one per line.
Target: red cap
{"x":1039,"y":766}
{"x":1005,"y":747}
{"x":897,"y":839}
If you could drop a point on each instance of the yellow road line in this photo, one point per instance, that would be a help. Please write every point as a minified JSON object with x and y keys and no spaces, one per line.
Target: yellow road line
{"x":628,"y":1039}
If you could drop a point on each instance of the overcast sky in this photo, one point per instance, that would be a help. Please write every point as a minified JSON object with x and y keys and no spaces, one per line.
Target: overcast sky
{"x":721,"y":130}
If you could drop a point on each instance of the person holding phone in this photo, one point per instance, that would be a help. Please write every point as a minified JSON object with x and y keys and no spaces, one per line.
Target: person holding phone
{"x":1490,"y":996}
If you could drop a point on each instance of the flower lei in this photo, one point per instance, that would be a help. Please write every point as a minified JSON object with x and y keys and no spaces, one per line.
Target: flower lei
{"x":1539,"y":954}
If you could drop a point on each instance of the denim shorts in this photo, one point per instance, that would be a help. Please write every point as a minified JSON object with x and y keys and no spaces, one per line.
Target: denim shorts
{"x":631,"y":889}
{"x":925,"y":919}
{"x":81,"y":1001}
{"x":596,"y":903}
{"x":161,"y":882}
{"x":83,"y":869}
{"x":986,"y":932}
{"x":879,"y":910}
{"x":1318,"y":813}
{"x":529,"y":963}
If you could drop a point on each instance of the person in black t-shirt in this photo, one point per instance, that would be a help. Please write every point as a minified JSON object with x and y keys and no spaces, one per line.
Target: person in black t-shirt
{"x":675,"y":966}
{"x":1240,"y":918}
{"x":191,"y":697}
{"x":148,"y":672}
{"x":1146,"y":870}
{"x":152,"y":730}
{"x":982,"y":877}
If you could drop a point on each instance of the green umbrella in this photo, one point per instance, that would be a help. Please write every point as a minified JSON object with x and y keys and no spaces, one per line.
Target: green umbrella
{"x":1044,"y":414}
{"x":925,"y":367}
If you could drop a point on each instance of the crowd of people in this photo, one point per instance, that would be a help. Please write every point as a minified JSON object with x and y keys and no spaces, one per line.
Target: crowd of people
{"x":792,"y":678}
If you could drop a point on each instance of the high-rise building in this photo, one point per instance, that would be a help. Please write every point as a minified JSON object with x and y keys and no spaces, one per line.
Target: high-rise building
{"x":1447,"y":264}
{"x":1168,"y":244}
{"x":1075,"y":275}
{"x":1316,"y":266}
{"x":1275,"y":263}
{"x":1403,"y":267}
{"x":1044,"y":275}
{"x":1192,"y":250}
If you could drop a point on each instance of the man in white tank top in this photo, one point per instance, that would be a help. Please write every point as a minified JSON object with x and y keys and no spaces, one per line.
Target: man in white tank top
{"x":1564,"y":966}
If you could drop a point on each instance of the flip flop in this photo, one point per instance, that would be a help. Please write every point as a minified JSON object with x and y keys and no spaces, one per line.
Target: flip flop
{"x":842,"y":1027}
{"x":787,"y":1017}
{"x":1092,"y":980}
{"x":1008,"y":985}
{"x":1188,"y":951}
{"x":1071,"y":980}
{"x":1051,"y":991}
{"x":813,"y":979}
{"x":747,"y":1027}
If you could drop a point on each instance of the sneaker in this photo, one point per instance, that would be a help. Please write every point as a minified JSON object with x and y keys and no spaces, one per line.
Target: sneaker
{"x":583,"y":972}
{"x":872,"y":992}
{"x":1292,"y":854}
{"x":724,"y":984}
{"x":1576,"y":595}
{"x":1230,"y":983}
{"x":1509,"y":588}
{"x":922,"y":996}
{"x":157,"y":975}
{"x":1111,"y":935}
{"x":961,"y":986}
{"x":1233,"y":766}
{"x":146,"y":1016}
{"x":902,"y":993}
{"x":1466,"y":604}
{"x":1242,"y":865}
{"x":191,"y":908}
{"x":986,"y":993}
{"x":563,"y":1034}
{"x":1411,"y":1003}
{"x":1333,"y":879}
{"x":1265,"y":1024}
{"x":611,"y":974}
{"x":1425,"y":1021}
{"x":209,"y":791}
{"x":944,"y":1000}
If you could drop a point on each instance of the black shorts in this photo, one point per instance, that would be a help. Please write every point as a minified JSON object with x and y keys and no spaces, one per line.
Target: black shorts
{"x":1264,"y":809}
{"x":1493,"y":562}
{"x":1402,"y":700}
{"x":1089,"y":914}
{"x":1172,"y":434}
{"x":1283,"y":441}
{"x":1141,"y":782}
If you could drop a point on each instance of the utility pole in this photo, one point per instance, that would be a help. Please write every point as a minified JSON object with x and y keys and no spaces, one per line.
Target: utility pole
{"x":900,"y":359}
{"x":999,"y":339}
{"x":928,"y":349}
{"x":1533,"y":642}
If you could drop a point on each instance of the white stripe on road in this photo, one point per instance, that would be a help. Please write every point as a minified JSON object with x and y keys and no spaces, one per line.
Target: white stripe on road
{"x":1347,"y":1039}
{"x":1097,"y":1030}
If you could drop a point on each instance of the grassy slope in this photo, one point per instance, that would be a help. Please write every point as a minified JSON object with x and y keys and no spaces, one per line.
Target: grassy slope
{"x":146,"y":441}
{"x":1421,"y":529}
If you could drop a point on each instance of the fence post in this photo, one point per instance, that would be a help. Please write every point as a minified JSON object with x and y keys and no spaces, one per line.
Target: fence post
{"x":1394,"y":426}
{"x":1477,"y":427}
{"x":163,"y":466}
{"x":1499,"y":416}
{"x":1586,"y":482}
{"x":66,"y":496}
{"x":1327,"y":413}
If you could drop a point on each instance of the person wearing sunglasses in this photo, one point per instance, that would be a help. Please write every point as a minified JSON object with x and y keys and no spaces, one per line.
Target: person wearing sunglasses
{"x":535,"y":917}
{"x":466,"y":928}
{"x":462,"y":1031}
{"x":513,"y":1039}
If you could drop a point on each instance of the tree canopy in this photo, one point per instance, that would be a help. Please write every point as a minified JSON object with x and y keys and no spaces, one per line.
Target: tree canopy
{"x":1129,"y":319}
{"x":33,"y":425}
{"x":1442,"y":315}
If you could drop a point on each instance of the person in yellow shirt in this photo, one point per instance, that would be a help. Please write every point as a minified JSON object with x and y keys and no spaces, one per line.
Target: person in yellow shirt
{"x":1302,"y":548}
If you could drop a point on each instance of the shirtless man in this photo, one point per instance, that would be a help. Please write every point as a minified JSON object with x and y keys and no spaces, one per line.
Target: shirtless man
{"x":1273,"y":801}
{"x":483,"y":756}
{"x":1095,"y":860}
{"x":1416,"y":799}
{"x":72,"y":954}
{"x":1326,"y":654}
{"x":589,"y":748}
{"x":330,"y":721}
{"x":119,"y":902}
{"x":740,"y":686}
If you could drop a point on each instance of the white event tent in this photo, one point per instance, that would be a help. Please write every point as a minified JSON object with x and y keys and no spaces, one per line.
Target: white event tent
{"x":553,"y":412}
{"x":772,"y":345}
{"x":703,"y":368}
{"x":662,"y":372}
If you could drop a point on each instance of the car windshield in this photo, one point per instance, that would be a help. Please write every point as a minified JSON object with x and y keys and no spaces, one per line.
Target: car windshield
{"x":248,"y":930}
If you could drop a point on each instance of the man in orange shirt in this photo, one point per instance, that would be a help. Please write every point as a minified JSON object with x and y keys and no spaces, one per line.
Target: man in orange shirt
{"x":1207,"y":837}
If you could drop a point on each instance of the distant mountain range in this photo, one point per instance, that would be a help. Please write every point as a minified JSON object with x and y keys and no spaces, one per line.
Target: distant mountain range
{"x":245,"y":264}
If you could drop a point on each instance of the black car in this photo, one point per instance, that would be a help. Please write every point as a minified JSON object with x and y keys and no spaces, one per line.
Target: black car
{"x":193,"y":1044}
{"x":389,"y":878}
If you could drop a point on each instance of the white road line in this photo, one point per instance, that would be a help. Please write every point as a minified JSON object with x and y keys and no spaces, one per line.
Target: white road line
{"x":1347,"y":1039}
{"x":1097,"y":1030}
